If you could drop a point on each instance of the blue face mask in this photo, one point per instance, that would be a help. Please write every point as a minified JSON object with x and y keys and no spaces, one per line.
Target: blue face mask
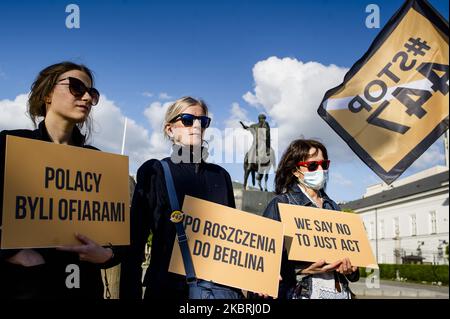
{"x":315,"y":180}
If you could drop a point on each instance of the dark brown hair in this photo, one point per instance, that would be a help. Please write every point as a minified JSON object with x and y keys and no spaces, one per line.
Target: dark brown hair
{"x":44,"y":84}
{"x":296,"y":152}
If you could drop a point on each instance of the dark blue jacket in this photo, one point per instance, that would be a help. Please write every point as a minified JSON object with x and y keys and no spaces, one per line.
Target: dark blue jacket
{"x":295,"y":196}
{"x":150,"y":213}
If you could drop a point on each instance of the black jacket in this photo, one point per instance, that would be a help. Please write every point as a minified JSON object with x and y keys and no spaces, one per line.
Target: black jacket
{"x":46,"y":281}
{"x":150,"y":212}
{"x":295,"y":196}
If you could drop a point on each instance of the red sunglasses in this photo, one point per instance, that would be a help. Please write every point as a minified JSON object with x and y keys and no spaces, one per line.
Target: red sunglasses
{"x":314,"y":165}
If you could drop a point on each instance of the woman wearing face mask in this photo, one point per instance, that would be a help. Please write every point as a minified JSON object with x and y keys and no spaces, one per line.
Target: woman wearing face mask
{"x":63,"y":96}
{"x":300,"y":180}
{"x":185,"y":123}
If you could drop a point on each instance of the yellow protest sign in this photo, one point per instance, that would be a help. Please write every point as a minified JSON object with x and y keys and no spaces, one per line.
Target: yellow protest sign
{"x":314,"y":234}
{"x":394,"y":102}
{"x":53,"y":191}
{"x":231,"y":247}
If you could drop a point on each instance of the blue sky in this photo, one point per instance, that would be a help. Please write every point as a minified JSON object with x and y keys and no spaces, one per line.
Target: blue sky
{"x":146,"y":53}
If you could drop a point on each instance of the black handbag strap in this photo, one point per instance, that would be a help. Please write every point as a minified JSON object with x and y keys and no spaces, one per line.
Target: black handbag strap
{"x":177,"y":217}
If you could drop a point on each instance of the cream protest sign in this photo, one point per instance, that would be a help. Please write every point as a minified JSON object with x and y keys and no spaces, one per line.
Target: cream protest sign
{"x":60,"y":190}
{"x":231,"y":247}
{"x":315,"y":234}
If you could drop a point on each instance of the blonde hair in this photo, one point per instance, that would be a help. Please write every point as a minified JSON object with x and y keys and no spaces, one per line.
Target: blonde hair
{"x":177,"y":107}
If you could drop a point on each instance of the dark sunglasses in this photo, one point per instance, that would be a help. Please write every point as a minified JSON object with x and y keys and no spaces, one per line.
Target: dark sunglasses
{"x":188,"y":119}
{"x":314,"y":165}
{"x":78,"y":89}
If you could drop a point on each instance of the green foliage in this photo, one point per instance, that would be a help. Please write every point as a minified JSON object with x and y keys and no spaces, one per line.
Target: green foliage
{"x":348,"y":210}
{"x":413,"y":273}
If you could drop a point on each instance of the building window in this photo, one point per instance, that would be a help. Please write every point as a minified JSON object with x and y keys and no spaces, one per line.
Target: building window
{"x":433,"y":225}
{"x":396,"y":227}
{"x":382,"y":229}
{"x":412,"y":220}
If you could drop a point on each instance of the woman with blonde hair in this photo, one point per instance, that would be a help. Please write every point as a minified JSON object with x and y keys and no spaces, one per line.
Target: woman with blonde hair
{"x":185,"y":123}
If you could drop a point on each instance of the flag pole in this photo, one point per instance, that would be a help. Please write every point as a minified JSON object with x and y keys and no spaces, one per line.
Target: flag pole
{"x":124,"y":135}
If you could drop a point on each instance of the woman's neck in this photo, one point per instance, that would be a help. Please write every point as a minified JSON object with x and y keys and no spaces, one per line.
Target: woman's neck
{"x":314,"y":194}
{"x":58,"y":129}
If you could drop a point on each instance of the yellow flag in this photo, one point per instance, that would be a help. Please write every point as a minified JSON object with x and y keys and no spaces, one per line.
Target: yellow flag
{"x":394,"y":102}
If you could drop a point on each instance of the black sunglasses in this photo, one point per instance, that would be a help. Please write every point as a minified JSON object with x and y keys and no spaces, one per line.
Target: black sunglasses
{"x":78,"y":89}
{"x":314,"y":165}
{"x":188,"y":119}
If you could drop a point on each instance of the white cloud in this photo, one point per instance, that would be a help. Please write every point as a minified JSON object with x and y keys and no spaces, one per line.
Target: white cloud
{"x":140,"y":145}
{"x":433,"y":156}
{"x":14,"y":113}
{"x":147,"y":94}
{"x":155,"y":114}
{"x":164,"y":96}
{"x":237,"y":113}
{"x":290,"y":92}
{"x":236,"y":141}
{"x":340,"y":180}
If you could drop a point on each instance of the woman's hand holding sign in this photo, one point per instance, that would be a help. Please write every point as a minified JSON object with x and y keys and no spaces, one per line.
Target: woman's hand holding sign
{"x":89,"y":250}
{"x":346,"y":267}
{"x":342,"y":266}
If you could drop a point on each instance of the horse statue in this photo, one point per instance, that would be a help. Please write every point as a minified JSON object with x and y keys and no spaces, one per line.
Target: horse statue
{"x":261,"y":157}
{"x":261,"y":169}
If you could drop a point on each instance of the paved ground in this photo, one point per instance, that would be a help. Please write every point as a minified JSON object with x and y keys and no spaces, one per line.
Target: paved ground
{"x":394,"y":289}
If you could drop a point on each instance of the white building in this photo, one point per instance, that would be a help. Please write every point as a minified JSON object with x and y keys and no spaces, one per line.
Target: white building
{"x":408,"y":218}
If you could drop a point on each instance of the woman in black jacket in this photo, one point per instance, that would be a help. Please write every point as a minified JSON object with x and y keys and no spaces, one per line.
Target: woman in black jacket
{"x":185,"y":124}
{"x":63,"y":95}
{"x":300,"y":180}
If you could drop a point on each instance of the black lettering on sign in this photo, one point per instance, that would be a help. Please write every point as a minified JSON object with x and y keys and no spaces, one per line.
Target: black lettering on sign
{"x":386,"y":70}
{"x":49,"y":175}
{"x":374,"y":119}
{"x":368,"y":92}
{"x":324,"y":242}
{"x":21,"y":207}
{"x":61,"y":179}
{"x":350,"y":245}
{"x":303,"y":240}
{"x":323,"y":226}
{"x":357,"y":104}
{"x":302,"y":223}
{"x":343,"y":229}
{"x":414,"y":106}
{"x":404,"y":57}
{"x":238,"y":258}
{"x":201,"y":249}
{"x":193,"y":222}
{"x":440,"y":83}
{"x":230,"y":235}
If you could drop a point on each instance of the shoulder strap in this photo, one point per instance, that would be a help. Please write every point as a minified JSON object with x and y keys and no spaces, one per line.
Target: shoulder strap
{"x":181,"y":234}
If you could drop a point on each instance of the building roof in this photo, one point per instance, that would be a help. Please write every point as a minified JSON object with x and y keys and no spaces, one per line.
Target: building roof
{"x":420,"y":186}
